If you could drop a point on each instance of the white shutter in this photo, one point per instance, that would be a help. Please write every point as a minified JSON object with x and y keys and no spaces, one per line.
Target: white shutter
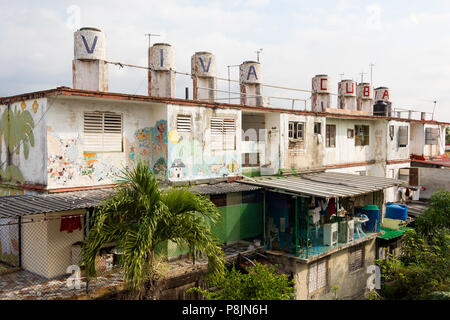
{"x":93,"y":131}
{"x":102,"y":131}
{"x":312,"y":283}
{"x":223,"y":133}
{"x":112,"y":132}
{"x":229,"y":131}
{"x":184,"y":123}
{"x":322,"y":274}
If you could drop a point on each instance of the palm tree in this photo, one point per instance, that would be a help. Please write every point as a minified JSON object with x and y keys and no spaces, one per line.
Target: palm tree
{"x":138,"y":217}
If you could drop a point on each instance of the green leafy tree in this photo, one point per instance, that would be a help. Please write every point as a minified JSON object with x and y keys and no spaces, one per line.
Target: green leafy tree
{"x":139,"y":217}
{"x":423,"y":269}
{"x":260,"y":283}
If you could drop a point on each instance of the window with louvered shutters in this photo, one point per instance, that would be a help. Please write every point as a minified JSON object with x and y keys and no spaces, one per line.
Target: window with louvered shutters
{"x":403,"y":136}
{"x":356,"y":258}
{"x":184,"y":123}
{"x":223,"y":133}
{"x":317,"y":275}
{"x":102,"y":131}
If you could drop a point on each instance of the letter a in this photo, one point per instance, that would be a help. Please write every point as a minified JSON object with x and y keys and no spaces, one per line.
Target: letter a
{"x":252,"y":68}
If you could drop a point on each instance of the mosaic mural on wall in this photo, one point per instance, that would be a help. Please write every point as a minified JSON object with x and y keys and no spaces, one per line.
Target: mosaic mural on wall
{"x":151,"y":145}
{"x":16,"y":132}
{"x":189,"y":160}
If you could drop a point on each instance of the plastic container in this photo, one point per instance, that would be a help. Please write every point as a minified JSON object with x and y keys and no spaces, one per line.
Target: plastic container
{"x":373,"y":213}
{"x":396,"y":211}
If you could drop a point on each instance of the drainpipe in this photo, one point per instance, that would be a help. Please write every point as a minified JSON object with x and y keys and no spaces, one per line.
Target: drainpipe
{"x":8,"y":152}
{"x":296,"y":227}
{"x":264,"y":221}
{"x":19,"y":220}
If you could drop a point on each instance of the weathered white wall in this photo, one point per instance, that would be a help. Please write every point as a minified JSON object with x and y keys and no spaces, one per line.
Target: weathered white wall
{"x":30,"y":168}
{"x":417,"y":138}
{"x":347,"y":152}
{"x":69,"y":163}
{"x":194,"y":149}
{"x":352,"y":285}
{"x":394,"y":152}
{"x":438,"y":149}
{"x":308,"y":154}
{"x":46,"y":250}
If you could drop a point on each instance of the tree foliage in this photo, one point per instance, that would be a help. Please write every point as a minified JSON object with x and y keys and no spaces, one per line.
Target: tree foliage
{"x":423,"y":270}
{"x":260,"y":283}
{"x":139,"y":217}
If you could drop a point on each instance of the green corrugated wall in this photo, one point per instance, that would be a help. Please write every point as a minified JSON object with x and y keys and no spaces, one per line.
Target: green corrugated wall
{"x":240,"y":222}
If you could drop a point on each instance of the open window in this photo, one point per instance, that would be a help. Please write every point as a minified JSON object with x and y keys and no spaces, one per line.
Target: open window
{"x":362,"y":135}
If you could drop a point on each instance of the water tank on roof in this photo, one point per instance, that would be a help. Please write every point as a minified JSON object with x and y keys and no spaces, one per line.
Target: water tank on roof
{"x":396,"y":211}
{"x":380,"y":108}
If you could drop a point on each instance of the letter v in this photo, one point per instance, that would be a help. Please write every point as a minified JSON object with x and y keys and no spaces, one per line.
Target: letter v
{"x":91,"y":50}
{"x":203,"y":65}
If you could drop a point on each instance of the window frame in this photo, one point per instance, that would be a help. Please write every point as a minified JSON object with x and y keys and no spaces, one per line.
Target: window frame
{"x":226,"y":132}
{"x":353,"y":265}
{"x":362,"y":140}
{"x":314,"y":267}
{"x":102,"y":131}
{"x":294,"y":130}
{"x":329,"y":137}
{"x":184,"y":118}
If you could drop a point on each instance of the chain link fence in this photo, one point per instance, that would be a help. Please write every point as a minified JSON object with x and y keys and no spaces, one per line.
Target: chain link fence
{"x":40,"y":258}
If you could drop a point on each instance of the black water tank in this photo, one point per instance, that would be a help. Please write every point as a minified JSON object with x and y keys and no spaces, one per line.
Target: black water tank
{"x":380,"y":108}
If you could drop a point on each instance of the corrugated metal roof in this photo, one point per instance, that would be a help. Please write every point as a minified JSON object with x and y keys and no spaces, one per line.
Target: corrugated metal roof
{"x":325,"y":184}
{"x":23,"y":205}
{"x":222,"y":188}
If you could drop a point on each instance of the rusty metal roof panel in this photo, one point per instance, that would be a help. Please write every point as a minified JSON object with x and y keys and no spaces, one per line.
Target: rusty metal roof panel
{"x":23,"y":205}
{"x":325,"y":184}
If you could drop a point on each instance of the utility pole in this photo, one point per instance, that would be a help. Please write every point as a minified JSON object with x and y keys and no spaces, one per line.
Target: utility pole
{"x":257,"y":53}
{"x":149,"y":35}
{"x":434,"y":108}
{"x":362,"y":76}
{"x":371,"y":73}
{"x":229,"y":80}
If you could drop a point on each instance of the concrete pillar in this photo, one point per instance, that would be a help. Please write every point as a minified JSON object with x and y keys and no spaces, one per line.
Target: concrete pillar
{"x":423,"y":116}
{"x":320,"y":97}
{"x":364,"y":94}
{"x":250,"y":80}
{"x":162,"y":74}
{"x":89,"y":67}
{"x":203,"y":70}
{"x":347,"y":95}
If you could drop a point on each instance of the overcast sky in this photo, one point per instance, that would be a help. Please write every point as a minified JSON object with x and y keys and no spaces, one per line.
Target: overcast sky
{"x":408,"y":41}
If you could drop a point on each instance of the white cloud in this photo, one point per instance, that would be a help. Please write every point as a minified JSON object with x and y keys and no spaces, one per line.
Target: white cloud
{"x":300,"y":39}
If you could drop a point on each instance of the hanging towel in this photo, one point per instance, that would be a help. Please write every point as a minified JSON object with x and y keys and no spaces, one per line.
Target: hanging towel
{"x":332,"y":206}
{"x":70,"y":224}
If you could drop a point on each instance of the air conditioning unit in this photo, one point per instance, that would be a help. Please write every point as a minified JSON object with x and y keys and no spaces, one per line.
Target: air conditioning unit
{"x":330,"y":234}
{"x":346,"y":231}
